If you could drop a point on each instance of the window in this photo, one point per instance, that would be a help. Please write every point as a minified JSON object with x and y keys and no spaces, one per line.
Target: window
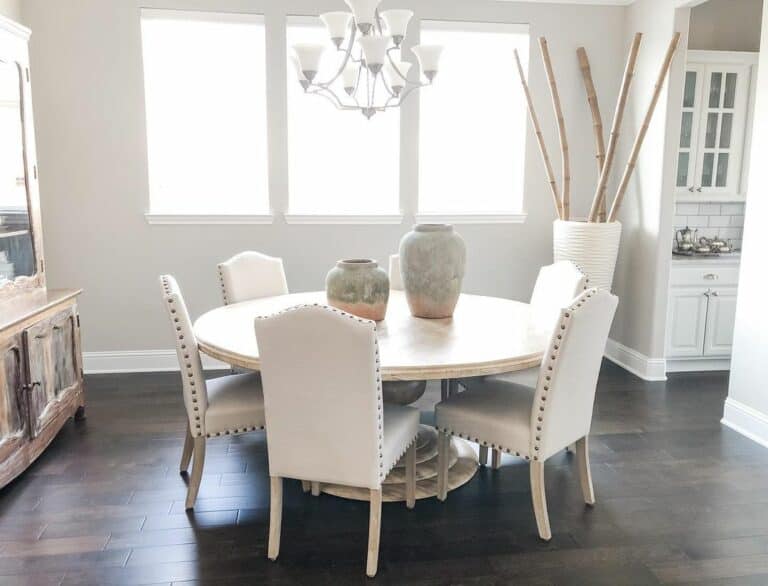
{"x":340,"y":164}
{"x":472,"y":124}
{"x":204,"y":84}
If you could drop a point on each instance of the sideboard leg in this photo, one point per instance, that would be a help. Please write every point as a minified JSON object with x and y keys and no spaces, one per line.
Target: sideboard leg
{"x":80,"y":413}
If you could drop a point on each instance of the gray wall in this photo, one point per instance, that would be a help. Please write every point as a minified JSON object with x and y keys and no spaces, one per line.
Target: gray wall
{"x":642,"y":272}
{"x":747,"y":404}
{"x":11,"y":9}
{"x":88,"y":98}
{"x":726,"y":25}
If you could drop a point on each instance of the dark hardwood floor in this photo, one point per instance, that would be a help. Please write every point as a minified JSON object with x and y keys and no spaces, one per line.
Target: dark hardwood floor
{"x":679,"y":499}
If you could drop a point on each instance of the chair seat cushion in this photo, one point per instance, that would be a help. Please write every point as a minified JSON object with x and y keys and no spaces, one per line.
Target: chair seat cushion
{"x":528,"y":377}
{"x":401,"y":424}
{"x":235,"y":404}
{"x":494,"y":412}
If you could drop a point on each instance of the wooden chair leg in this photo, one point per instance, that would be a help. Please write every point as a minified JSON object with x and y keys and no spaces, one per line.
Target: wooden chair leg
{"x":275,"y":516}
{"x":540,"y":500}
{"x":198,"y":451}
{"x":585,"y":474}
{"x":186,"y":454}
{"x":315,"y":488}
{"x":443,"y":457}
{"x":483,"y":455}
{"x":410,"y":476}
{"x":306,"y":485}
{"x":374,"y":533}
{"x":496,"y":459}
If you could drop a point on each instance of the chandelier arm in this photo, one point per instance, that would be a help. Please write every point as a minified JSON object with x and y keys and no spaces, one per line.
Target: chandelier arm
{"x":377,"y":18}
{"x":331,"y":96}
{"x":392,"y":63}
{"x":347,"y":54}
{"x":391,"y":93}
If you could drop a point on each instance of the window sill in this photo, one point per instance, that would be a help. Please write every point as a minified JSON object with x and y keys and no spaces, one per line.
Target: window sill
{"x":395,"y":219}
{"x":197,"y":219}
{"x":497,"y":218}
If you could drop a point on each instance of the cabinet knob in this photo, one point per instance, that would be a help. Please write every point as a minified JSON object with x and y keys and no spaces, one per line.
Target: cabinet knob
{"x":698,"y":189}
{"x":30,"y":386}
{"x":690,"y":189}
{"x":715,"y":294}
{"x":710,"y":277}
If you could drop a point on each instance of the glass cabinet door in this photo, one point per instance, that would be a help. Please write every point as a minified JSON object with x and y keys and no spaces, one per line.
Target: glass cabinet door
{"x":723,"y":114}
{"x":686,"y":153}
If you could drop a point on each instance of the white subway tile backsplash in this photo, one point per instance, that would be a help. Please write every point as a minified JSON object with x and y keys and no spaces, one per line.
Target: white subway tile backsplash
{"x":732,"y":209}
{"x":709,"y":209}
{"x":698,"y":221}
{"x":685,"y":209}
{"x":719,"y":221}
{"x":711,"y":219}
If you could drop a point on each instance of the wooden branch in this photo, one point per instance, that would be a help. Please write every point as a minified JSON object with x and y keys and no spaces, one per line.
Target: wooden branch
{"x":597,"y":119}
{"x":540,"y":139}
{"x":613,"y":139}
{"x":644,"y":128}
{"x":565,"y":200}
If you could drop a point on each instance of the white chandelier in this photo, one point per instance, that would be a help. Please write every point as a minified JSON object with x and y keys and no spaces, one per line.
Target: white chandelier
{"x":373,"y":79}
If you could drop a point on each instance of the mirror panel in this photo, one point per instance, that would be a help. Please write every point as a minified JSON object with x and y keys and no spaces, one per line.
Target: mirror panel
{"x":17,"y":252}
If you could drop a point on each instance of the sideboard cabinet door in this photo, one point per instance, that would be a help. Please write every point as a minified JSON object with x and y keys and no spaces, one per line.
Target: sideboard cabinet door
{"x":13,"y":415}
{"x":53,"y":366}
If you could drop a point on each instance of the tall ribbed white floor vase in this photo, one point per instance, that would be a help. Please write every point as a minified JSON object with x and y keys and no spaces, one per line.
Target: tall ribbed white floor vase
{"x":593,"y":246}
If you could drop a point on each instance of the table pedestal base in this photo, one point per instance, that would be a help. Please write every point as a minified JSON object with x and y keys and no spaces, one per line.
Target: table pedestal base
{"x":462,"y":467}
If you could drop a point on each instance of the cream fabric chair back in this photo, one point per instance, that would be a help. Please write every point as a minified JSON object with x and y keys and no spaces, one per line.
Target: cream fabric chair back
{"x":322,"y":396}
{"x":192,"y":379}
{"x":556,"y":287}
{"x":251,"y":275}
{"x":565,"y":393}
{"x":395,"y":278}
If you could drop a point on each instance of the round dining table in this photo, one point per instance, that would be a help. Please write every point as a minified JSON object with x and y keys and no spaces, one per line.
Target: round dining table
{"x":485,"y":336}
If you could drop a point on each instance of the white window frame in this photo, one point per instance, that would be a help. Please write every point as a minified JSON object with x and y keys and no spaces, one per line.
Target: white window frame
{"x":490,"y":217}
{"x":169,"y":218}
{"x":278,"y":75}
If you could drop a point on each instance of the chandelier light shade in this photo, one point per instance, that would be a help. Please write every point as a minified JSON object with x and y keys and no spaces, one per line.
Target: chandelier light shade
{"x":429,"y":58}
{"x":371,"y":75}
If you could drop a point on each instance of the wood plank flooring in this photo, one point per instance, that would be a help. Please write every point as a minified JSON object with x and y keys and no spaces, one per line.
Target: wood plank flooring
{"x":679,"y":499}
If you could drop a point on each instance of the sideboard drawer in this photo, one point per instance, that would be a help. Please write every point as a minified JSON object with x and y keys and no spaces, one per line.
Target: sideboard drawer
{"x":707,"y":276}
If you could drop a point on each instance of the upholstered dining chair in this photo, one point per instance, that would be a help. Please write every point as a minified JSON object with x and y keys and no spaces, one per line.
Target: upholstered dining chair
{"x":251,"y":275}
{"x":326,"y":421}
{"x":228,"y":405}
{"x":557,"y":285}
{"x":537,"y":422}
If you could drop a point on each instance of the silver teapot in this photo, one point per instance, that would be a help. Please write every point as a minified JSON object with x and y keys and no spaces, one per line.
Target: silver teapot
{"x":685,"y":239}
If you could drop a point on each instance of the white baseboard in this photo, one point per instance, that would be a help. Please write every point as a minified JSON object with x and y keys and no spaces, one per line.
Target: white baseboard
{"x":698,"y":364}
{"x":139,"y":361}
{"x":650,"y":369}
{"x":747,"y":421}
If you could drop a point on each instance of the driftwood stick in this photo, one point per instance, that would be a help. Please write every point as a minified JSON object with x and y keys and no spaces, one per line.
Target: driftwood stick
{"x":565,"y":200}
{"x":597,"y":119}
{"x":613,"y":139}
{"x":540,"y":139}
{"x":644,"y":128}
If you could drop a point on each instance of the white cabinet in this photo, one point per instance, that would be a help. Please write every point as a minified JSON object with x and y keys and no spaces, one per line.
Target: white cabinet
{"x":701,"y":315}
{"x":718,"y":99}
{"x":687,"y":322}
{"x":721,"y":318}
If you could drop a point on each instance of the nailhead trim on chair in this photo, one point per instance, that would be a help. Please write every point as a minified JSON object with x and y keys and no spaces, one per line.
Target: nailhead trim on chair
{"x":188,"y":365}
{"x":565,"y":321}
{"x":233,"y":431}
{"x":517,"y":453}
{"x":223,"y":286}
{"x":379,"y":397}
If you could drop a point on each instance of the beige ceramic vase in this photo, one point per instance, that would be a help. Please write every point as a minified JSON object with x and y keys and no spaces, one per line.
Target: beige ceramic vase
{"x":359,"y":287}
